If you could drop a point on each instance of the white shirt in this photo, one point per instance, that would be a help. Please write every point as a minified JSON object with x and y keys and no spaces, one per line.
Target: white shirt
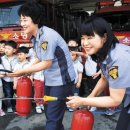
{"x":38,"y":75}
{"x":90,"y":66}
{"x":9,"y":64}
{"x":78,"y":67}
{"x":21,"y":65}
{"x":32,"y":56}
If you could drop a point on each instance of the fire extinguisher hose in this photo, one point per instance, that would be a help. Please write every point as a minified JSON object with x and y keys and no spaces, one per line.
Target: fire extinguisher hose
{"x":8,"y":71}
{"x":45,"y":98}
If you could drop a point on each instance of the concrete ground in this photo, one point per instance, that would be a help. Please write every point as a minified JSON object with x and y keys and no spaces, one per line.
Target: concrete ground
{"x":37,"y":121}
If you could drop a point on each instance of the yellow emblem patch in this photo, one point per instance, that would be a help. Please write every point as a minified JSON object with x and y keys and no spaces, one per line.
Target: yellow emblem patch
{"x":113,"y":72}
{"x":44,"y":45}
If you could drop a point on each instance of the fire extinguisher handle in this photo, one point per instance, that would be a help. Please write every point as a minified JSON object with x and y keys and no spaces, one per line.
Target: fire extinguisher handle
{"x":63,"y":99}
{"x":51,"y":98}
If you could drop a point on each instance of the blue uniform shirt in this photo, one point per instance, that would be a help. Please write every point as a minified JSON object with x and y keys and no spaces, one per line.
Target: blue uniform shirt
{"x":49,"y":45}
{"x":116,"y":69}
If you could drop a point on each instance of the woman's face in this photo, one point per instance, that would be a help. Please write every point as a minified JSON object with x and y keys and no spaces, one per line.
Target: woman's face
{"x":28,"y":26}
{"x":92,"y":44}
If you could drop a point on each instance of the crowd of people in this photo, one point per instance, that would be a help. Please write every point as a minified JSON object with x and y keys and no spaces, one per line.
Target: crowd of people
{"x":57,"y":67}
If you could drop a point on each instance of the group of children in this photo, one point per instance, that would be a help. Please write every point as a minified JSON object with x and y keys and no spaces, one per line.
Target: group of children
{"x":12,"y":59}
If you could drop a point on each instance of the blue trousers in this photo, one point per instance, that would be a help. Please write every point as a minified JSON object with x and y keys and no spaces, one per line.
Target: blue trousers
{"x":8,"y":92}
{"x":55,"y":110}
{"x":124,"y":119}
{"x":75,"y":90}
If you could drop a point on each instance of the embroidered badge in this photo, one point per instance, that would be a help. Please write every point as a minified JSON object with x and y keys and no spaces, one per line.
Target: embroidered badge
{"x":113,"y":72}
{"x":44,"y":45}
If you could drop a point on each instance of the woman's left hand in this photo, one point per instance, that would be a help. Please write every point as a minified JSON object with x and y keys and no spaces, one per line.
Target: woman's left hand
{"x":75,"y":101}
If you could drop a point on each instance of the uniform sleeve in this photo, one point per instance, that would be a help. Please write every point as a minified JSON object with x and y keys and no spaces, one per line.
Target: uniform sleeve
{"x":119,"y":73}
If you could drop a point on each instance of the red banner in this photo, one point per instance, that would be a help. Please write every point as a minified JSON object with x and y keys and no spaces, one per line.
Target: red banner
{"x":2,"y":1}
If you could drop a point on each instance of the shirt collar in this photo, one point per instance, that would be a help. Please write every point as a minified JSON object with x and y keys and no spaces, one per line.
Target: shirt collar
{"x":105,"y":61}
{"x":108,"y":57}
{"x":39,"y":34}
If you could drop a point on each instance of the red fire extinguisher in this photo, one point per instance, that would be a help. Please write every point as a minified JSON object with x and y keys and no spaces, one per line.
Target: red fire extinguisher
{"x":24,"y":90}
{"x":82,"y":120}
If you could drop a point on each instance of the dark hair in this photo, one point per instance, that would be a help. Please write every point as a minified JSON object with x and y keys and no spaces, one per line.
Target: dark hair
{"x":99,"y":26}
{"x":34,"y":10}
{"x":2,"y":41}
{"x":23,"y":49}
{"x":73,"y":39}
{"x":11,"y":43}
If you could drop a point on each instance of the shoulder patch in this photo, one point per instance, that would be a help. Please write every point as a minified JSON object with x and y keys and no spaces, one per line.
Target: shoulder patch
{"x":44,"y":45}
{"x":113,"y":72}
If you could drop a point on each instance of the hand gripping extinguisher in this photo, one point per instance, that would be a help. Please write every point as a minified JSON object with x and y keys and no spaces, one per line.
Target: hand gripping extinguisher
{"x":82,"y":120}
{"x":24,"y":90}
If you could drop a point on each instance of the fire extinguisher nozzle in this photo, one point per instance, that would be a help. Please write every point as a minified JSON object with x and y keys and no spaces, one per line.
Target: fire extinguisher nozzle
{"x":49,"y":98}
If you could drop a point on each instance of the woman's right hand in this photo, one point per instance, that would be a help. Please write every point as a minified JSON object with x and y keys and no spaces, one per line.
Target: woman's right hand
{"x":75,"y":101}
{"x":16,"y":73}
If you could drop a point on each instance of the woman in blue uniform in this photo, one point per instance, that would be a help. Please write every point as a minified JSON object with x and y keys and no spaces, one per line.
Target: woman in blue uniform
{"x":55,"y":60}
{"x":100,"y":42}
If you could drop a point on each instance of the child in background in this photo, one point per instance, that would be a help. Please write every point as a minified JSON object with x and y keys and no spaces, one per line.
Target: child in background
{"x":73,"y":47}
{"x":78,"y":70}
{"x":38,"y":81}
{"x":2,"y":113}
{"x":9,"y":61}
{"x":32,"y":57}
{"x":22,"y":54}
{"x":92,"y":70}
{"x":2,"y":47}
